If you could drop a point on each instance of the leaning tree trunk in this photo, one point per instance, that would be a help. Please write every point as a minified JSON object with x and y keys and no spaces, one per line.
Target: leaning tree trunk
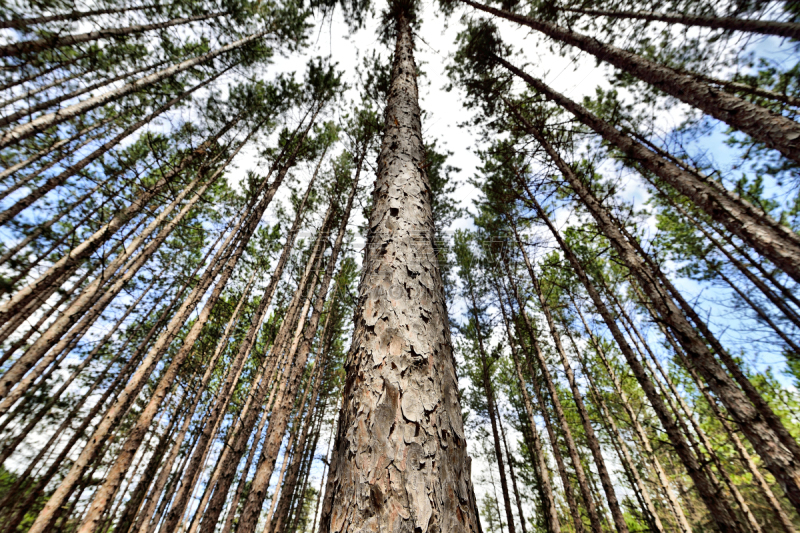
{"x":396,"y":466}
{"x":719,"y":513}
{"x":572,"y":448}
{"x":577,"y":396}
{"x":21,"y":23}
{"x":765,"y":27}
{"x":549,"y":509}
{"x":775,"y":131}
{"x":57,"y":41}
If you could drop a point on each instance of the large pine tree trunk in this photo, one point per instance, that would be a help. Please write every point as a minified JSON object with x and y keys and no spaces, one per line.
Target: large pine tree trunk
{"x":397,"y":467}
{"x":766,"y":27}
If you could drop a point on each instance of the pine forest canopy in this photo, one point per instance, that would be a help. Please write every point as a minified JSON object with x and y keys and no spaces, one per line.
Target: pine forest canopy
{"x":279,"y":266}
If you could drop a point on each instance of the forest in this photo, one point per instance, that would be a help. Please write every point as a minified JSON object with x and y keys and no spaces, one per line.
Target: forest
{"x":404,"y":266}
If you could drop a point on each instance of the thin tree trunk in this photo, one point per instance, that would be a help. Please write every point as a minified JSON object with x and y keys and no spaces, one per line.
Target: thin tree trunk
{"x":577,"y":396}
{"x":58,"y":41}
{"x":20,"y":23}
{"x":60,"y":178}
{"x":675,"y":505}
{"x":775,"y":131}
{"x":44,"y":122}
{"x":765,"y":27}
{"x":434,"y":490}
{"x":758,"y":425}
{"x":733,"y":87}
{"x":550,"y":511}
{"x":580,"y":473}
{"x":513,"y":478}
{"x":703,"y":485}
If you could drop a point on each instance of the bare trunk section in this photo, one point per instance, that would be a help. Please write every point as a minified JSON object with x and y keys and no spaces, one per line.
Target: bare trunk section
{"x":517,"y":496}
{"x":577,"y":396}
{"x":580,"y":473}
{"x":396,"y":465}
{"x":765,"y":27}
{"x":60,"y":178}
{"x":771,"y":239}
{"x":43,"y":122}
{"x":775,"y":131}
{"x":703,"y":485}
{"x":58,"y":41}
{"x":550,"y":511}
{"x":757,"y":422}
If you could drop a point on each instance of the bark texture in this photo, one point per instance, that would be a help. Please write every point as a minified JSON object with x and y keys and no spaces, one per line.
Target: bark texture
{"x":400,"y":462}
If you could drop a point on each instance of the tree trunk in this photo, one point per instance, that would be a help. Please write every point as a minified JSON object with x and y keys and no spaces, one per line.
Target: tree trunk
{"x":719,"y":513}
{"x":513,"y":479}
{"x":44,"y":122}
{"x":765,"y":27}
{"x":580,"y":474}
{"x":59,"y":179}
{"x":775,"y":131}
{"x":59,"y":41}
{"x":40,"y":106}
{"x":550,"y":511}
{"x":779,"y":457}
{"x":675,"y":505}
{"x":577,"y":396}
{"x":490,"y":407}
{"x":403,"y":469}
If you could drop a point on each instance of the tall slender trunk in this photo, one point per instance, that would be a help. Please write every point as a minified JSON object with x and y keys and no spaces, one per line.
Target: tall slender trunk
{"x":572,"y":448}
{"x":59,"y":179}
{"x":57,"y":41}
{"x":40,"y":106}
{"x":20,"y":23}
{"x":775,"y":131}
{"x":719,"y":513}
{"x":289,"y":389}
{"x":577,"y":396}
{"x":781,"y":454}
{"x":644,"y":440}
{"x":517,"y":497}
{"x":766,"y":27}
{"x":771,"y":239}
{"x":44,"y":122}
{"x":550,"y":511}
{"x":401,"y":351}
